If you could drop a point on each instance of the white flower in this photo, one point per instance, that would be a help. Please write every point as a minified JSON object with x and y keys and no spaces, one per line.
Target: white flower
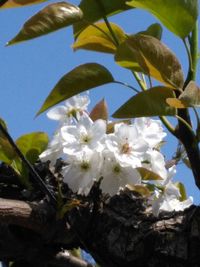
{"x":74,"y":107}
{"x":116,"y":176}
{"x":127,"y":145}
{"x":150,"y":130}
{"x":83,"y":168}
{"x":54,"y":150}
{"x":155,"y":162}
{"x":169,"y":198}
{"x":85,"y":134}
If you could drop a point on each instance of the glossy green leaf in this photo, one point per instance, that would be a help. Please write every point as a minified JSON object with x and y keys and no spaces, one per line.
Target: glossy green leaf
{"x":52,"y":18}
{"x":93,"y":12}
{"x":98,"y":38}
{"x":32,"y":145}
{"x":19,"y":3}
{"x":156,"y":60}
{"x":100,"y":111}
{"x":148,"y":175}
{"x":148,"y":103}
{"x":124,"y":55}
{"x":179,"y":16}
{"x":82,"y":78}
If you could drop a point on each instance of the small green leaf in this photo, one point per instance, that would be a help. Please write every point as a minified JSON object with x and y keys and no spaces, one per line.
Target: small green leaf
{"x":19,"y":3}
{"x":52,"y":18}
{"x":100,"y":111}
{"x":148,"y":103}
{"x":182,"y":191}
{"x":82,"y":78}
{"x":148,"y":175}
{"x":154,"y":30}
{"x":97,"y":37}
{"x":179,"y":16}
{"x":156,"y":60}
{"x":32,"y":145}
{"x":92,"y":12}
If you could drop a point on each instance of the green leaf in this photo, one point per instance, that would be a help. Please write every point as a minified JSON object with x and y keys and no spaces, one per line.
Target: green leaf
{"x":139,"y":188}
{"x":7,"y":153}
{"x":82,"y":78}
{"x":148,"y":103}
{"x":179,"y":16}
{"x":154,"y":30}
{"x":32,"y":145}
{"x":182,"y":191}
{"x":148,"y":175}
{"x":156,"y":60}
{"x":3,"y":124}
{"x":52,"y":18}
{"x":92,"y":12}
{"x":124,"y":56}
{"x":98,"y":38}
{"x":100,"y":111}
{"x":19,"y":3}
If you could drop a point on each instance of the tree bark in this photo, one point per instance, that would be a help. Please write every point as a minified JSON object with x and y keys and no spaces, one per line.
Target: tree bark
{"x":118,"y":231}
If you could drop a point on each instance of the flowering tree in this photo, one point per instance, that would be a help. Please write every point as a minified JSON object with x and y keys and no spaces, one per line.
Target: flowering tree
{"x":103,"y":185}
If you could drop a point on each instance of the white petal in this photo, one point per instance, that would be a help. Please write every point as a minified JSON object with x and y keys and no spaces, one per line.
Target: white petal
{"x":57,"y":113}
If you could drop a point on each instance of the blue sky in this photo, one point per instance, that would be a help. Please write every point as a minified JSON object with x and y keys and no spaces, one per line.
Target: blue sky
{"x":29,"y":71}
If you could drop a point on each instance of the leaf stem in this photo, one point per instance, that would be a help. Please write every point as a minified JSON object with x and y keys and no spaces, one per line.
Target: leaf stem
{"x":194,"y":50}
{"x":35,"y":175}
{"x":127,"y":85}
{"x":102,"y":9}
{"x":167,"y":124}
{"x":185,"y":123}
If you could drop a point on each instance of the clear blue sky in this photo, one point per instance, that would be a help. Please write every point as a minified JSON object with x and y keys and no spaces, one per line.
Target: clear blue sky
{"x":29,"y":71}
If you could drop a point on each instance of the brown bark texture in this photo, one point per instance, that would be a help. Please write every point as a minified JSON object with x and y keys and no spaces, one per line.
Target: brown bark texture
{"x":117,"y":231}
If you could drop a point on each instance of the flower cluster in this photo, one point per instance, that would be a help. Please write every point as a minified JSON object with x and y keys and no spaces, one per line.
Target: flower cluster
{"x":90,"y":152}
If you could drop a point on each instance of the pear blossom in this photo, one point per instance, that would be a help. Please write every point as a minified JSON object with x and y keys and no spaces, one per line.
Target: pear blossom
{"x":82,"y":170}
{"x":150,"y":130}
{"x":54,"y":150}
{"x":116,"y":176}
{"x":74,"y":107}
{"x":127,"y":145}
{"x":169,"y":198}
{"x":85,"y":133}
{"x":154,"y":161}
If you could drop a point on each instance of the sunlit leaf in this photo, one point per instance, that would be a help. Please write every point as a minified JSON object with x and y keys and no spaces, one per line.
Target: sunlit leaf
{"x":93,"y":12}
{"x":32,"y":145}
{"x":99,"y":38}
{"x":52,"y":18}
{"x":148,"y":175}
{"x":179,"y":16}
{"x":82,"y":78}
{"x":3,"y":124}
{"x":124,"y":55}
{"x":182,"y":191}
{"x":148,"y":103}
{"x":156,"y":60}
{"x":19,"y":3}
{"x":176,"y":103}
{"x":141,"y":189}
{"x":100,"y":111}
